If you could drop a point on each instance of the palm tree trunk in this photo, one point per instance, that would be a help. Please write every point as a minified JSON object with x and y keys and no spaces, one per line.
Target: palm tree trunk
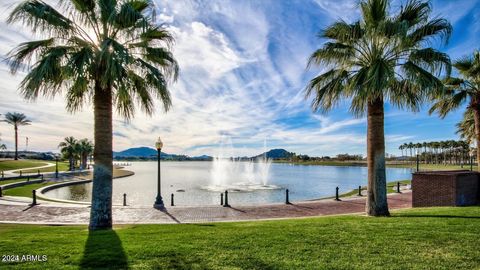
{"x":16,"y":142}
{"x":476,"y":118}
{"x":101,"y":210}
{"x":377,"y":185}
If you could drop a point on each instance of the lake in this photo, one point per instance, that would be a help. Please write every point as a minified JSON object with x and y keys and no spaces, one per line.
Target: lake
{"x":187,"y":181}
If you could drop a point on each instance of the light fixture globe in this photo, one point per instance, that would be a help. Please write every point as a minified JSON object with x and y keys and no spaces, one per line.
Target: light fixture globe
{"x":159,"y":143}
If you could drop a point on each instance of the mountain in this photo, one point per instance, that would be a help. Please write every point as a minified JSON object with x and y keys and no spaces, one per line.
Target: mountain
{"x":276,"y":154}
{"x":137,"y":152}
{"x":147,"y":153}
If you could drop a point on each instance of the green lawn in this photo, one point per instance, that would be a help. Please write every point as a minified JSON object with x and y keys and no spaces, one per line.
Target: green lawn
{"x":62,"y":166}
{"x":5,"y":182}
{"x":6,"y":165}
{"x":426,"y":167}
{"x":25,"y":191}
{"x":390,"y":186}
{"x":436,"y":238}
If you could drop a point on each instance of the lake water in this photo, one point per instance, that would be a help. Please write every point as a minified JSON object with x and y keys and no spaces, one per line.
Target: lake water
{"x":303,"y":182}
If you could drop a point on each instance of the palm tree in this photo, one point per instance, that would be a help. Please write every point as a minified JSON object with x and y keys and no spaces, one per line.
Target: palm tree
{"x":411,"y":146}
{"x":16,"y":119}
{"x":109,"y":53}
{"x":466,"y":88}
{"x":3,"y":146}
{"x":85,"y":148}
{"x":466,"y":127}
{"x":69,"y":149}
{"x":379,"y":58}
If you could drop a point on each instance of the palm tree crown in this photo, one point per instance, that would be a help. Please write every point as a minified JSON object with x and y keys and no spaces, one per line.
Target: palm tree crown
{"x":381,"y":57}
{"x":17,"y":119}
{"x":112,"y":43}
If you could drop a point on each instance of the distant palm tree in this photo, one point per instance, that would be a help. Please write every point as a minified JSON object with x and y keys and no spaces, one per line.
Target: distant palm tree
{"x":85,"y":148}
{"x":110,"y":53}
{"x":69,"y":149}
{"x":3,"y":146}
{"x":16,"y":119}
{"x":379,"y":58}
{"x":464,"y":88}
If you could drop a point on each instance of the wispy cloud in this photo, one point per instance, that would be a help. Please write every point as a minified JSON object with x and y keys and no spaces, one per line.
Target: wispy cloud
{"x":242,"y":77}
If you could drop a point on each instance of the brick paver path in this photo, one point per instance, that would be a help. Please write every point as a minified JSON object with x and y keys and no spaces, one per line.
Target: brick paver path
{"x":51,"y":213}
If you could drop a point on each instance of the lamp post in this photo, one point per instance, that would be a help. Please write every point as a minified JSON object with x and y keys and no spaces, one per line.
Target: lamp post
{"x":471,"y":160}
{"x":56,"y":166}
{"x":159,"y":201}
{"x":418,"y":164}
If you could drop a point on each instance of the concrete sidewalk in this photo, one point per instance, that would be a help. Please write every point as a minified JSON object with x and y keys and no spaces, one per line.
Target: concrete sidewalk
{"x":55,"y":213}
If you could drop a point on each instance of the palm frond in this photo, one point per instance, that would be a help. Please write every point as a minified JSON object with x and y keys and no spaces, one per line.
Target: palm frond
{"x":431,"y":59}
{"x":23,"y":53}
{"x":41,"y":17}
{"x":436,"y":28}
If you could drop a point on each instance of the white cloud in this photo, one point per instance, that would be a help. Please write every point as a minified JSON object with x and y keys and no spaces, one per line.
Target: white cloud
{"x":242,"y":72}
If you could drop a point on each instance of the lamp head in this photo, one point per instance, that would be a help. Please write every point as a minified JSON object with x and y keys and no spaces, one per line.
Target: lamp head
{"x":159,"y":143}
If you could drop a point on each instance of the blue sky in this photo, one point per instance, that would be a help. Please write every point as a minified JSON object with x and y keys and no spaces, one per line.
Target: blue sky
{"x":242,"y":75}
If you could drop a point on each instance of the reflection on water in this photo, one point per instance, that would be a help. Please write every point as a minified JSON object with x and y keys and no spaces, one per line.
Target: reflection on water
{"x":187,"y":180}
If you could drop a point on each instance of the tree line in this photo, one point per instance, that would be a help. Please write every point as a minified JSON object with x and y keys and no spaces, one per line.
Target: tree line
{"x":438,"y":152}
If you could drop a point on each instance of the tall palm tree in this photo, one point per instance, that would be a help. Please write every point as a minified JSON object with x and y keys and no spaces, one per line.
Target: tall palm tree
{"x":16,"y":120}
{"x":466,"y":88}
{"x":69,"y":149}
{"x":85,"y":148}
{"x":106,"y":52}
{"x":466,"y":127}
{"x":380,"y":58}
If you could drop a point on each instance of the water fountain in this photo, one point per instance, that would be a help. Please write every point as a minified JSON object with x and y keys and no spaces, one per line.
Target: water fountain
{"x":237,"y":175}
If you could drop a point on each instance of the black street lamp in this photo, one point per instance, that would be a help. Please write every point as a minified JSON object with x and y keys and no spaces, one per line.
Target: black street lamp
{"x":471,"y":160}
{"x":56,"y":166}
{"x":159,"y":201}
{"x":418,"y":164}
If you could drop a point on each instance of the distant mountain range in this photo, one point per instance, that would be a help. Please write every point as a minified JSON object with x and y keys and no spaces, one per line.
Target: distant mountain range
{"x":146,"y":153}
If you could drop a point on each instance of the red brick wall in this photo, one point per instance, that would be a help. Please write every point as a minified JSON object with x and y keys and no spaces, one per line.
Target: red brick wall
{"x":450,"y":188}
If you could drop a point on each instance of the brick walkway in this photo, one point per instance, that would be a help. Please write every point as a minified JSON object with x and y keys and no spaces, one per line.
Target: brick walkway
{"x":52,"y":213}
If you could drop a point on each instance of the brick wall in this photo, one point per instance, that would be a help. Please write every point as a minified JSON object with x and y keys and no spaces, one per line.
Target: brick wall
{"x":445,"y":188}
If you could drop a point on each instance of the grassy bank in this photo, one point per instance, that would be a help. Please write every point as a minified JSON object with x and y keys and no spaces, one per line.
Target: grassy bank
{"x":391,"y":188}
{"x":62,"y":166}
{"x":6,"y":165}
{"x":424,"y":167}
{"x":6,"y":182}
{"x":436,"y":238}
{"x":26,"y":191}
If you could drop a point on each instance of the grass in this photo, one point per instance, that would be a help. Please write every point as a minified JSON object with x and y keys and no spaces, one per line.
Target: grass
{"x":424,"y":167}
{"x":25,"y":191}
{"x":5,"y":182}
{"x":390,"y":186}
{"x":435,"y":238}
{"x":6,"y":165}
{"x":62,"y":166}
